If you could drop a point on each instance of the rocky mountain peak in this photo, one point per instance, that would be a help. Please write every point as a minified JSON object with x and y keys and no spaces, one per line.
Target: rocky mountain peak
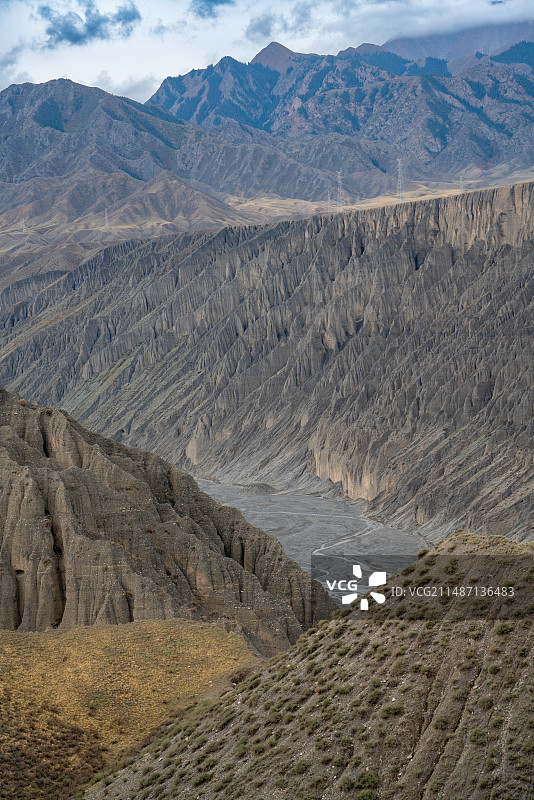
{"x":276,"y":57}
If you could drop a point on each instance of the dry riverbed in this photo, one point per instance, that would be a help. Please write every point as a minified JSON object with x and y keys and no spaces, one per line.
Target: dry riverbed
{"x":309,"y":524}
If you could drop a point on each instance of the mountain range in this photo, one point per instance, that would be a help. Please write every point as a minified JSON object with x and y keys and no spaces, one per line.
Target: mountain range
{"x":240,"y":143}
{"x":190,"y":287}
{"x":371,"y":106}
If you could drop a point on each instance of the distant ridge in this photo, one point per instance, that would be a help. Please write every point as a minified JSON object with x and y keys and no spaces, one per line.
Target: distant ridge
{"x":486,"y":39}
{"x":249,"y":142}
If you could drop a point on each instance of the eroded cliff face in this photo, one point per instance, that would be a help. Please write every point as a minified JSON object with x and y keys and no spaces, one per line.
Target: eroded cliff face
{"x":93,"y":532}
{"x":389,"y":351}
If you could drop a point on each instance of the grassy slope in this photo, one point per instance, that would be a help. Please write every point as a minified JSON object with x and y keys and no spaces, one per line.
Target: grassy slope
{"x":72,"y":701}
{"x":388,"y":708}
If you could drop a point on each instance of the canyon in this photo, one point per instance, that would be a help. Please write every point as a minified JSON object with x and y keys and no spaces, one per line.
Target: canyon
{"x":385,"y":354}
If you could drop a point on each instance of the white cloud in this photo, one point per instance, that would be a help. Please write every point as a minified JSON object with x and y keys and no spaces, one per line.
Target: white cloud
{"x":137,"y":88}
{"x":171,"y":39}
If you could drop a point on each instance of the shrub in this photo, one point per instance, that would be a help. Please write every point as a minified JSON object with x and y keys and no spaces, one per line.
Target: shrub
{"x":322,"y":744}
{"x":301,"y":766}
{"x":366,"y":780}
{"x":374,"y":696}
{"x":347,"y":784}
{"x":199,"y":742}
{"x":204,"y":777}
{"x":393,"y":710}
{"x":319,"y":782}
{"x":503,"y":628}
{"x":452,"y":566}
{"x":225,"y":720}
{"x":214,"y":746}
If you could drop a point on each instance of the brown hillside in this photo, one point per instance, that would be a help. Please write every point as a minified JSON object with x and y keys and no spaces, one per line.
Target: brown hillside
{"x":73,"y":701}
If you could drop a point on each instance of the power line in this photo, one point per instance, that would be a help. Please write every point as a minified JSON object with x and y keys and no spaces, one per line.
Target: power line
{"x":339,"y":191}
{"x":401,"y":190}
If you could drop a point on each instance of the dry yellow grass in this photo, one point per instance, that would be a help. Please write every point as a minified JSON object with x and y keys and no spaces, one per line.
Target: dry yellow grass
{"x":72,"y":701}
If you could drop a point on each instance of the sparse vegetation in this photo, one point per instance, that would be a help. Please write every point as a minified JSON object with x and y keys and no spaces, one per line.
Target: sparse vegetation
{"x":73,"y":703}
{"x":351,"y":722}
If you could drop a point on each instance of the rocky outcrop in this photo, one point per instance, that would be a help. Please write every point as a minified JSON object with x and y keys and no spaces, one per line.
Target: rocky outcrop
{"x":388,"y":351}
{"x":93,"y":532}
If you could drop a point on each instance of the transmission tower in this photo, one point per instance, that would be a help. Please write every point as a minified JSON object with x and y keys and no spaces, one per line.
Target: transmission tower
{"x":339,"y":191}
{"x":106,"y":221}
{"x":329,"y":206}
{"x":23,"y":225}
{"x":462,"y":187}
{"x":401,"y":191}
{"x":358,"y":202}
{"x":303,"y":210}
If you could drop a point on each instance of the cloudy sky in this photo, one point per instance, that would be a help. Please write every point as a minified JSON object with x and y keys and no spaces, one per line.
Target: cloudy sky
{"x":129,"y":46}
